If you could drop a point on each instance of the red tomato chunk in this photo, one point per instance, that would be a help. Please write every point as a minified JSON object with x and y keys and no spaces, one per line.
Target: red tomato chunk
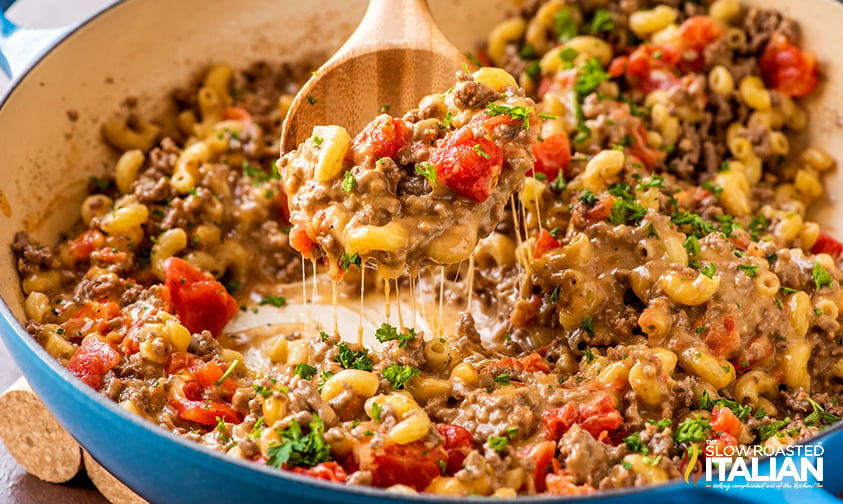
{"x":468,"y":166}
{"x":92,"y":360}
{"x":787,"y":69}
{"x":553,"y":154}
{"x":201,"y":302}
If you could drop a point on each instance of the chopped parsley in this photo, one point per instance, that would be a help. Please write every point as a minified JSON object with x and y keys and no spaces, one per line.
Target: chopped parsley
{"x":317,"y":140}
{"x":276,"y":301}
{"x":588,"y":198}
{"x":399,"y":375}
{"x":626,"y":212}
{"x":589,"y":356}
{"x":662,"y":424}
{"x":387,"y":332}
{"x":299,"y":450}
{"x":262,"y":390}
{"x":760,"y":414}
{"x":751,"y":271}
{"x":757,"y":225}
{"x":716,"y":190}
{"x":323,"y":377}
{"x":819,"y":417}
{"x":634,"y":443}
{"x":590,"y":77}
{"x":311,"y":100}
{"x":427,"y":170}
{"x":353,"y":359}
{"x":348,"y":260}
{"x":565,"y":25}
{"x":554,"y":294}
{"x":349,"y":182}
{"x":692,"y":245}
{"x":516,"y":112}
{"x":707,"y":403}
{"x":498,"y":443}
{"x":568,"y":55}
{"x":376,"y":411}
{"x":480,"y":152}
{"x":692,"y":430}
{"x":227,"y":374}
{"x":692,"y":223}
{"x":305,"y":370}
{"x":822,"y":278}
{"x":447,"y":120}
{"x":601,"y":22}
{"x":767,"y":431}
{"x":587,"y":324}
{"x":708,"y":270}
{"x":583,"y":133}
{"x":503,"y":378}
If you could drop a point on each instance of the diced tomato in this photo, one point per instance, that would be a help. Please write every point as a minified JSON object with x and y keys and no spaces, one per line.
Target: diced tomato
{"x":646,"y":72}
{"x":328,"y":471}
{"x":561,"y":482}
{"x":84,"y":245}
{"x":757,"y":350}
{"x":788,"y":69}
{"x":695,"y":33}
{"x":237,"y":114}
{"x":541,"y":454}
{"x":176,"y":361}
{"x":300,"y":241}
{"x":483,"y":58}
{"x":458,"y":444}
{"x":206,"y":412}
{"x":92,"y":318}
{"x":109,"y":255}
{"x":558,"y":420}
{"x":724,"y":420}
{"x":525,"y":311}
{"x":201,"y":302}
{"x":553,"y":155}
{"x":208,"y":373}
{"x":531,"y":363}
{"x":545,"y":242}
{"x":723,"y":342}
{"x":727,"y":429}
{"x":544,"y":86}
{"x":284,"y":206}
{"x":651,"y":67}
{"x":827,"y":245}
{"x":642,"y":151}
{"x":699,"y":31}
{"x":617,"y":66}
{"x":199,"y":403}
{"x":468,"y":166}
{"x":412,"y":464}
{"x":600,"y":211}
{"x":381,"y":138}
{"x":599,"y":414}
{"x":91,"y":361}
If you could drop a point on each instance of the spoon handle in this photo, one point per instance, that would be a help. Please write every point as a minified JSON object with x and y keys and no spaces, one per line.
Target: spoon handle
{"x":406,"y":24}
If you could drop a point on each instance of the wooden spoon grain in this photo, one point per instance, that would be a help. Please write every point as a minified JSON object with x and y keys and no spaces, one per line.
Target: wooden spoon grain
{"x":396,"y":56}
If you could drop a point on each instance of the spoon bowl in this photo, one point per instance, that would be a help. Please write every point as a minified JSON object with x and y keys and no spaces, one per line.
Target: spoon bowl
{"x":396,"y":56}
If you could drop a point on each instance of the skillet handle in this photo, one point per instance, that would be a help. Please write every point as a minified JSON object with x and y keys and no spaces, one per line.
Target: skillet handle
{"x":20,"y":46}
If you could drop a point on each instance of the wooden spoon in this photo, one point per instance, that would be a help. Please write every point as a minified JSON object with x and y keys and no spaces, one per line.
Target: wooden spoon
{"x":395,"y":57}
